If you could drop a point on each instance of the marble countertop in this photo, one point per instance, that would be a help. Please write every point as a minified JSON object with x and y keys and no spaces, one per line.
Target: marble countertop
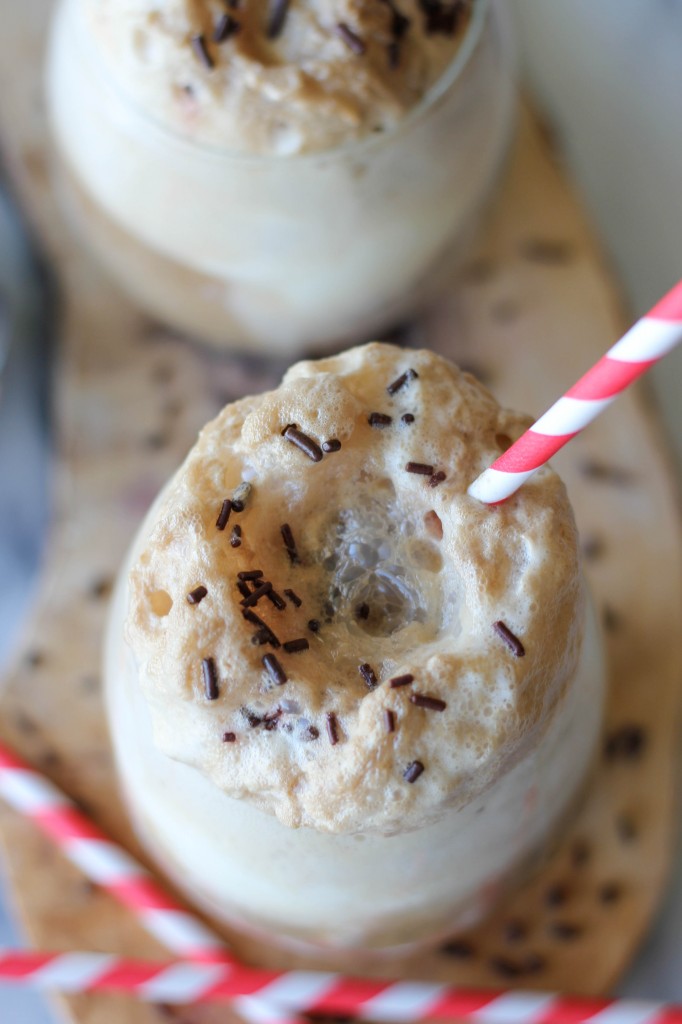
{"x":610,"y":77}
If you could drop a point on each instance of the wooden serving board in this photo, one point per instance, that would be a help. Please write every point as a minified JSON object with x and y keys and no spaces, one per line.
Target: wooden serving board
{"x":533,"y":307}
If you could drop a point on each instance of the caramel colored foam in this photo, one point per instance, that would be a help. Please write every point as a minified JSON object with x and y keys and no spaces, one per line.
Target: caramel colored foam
{"x":331,"y":93}
{"x":404,"y":576}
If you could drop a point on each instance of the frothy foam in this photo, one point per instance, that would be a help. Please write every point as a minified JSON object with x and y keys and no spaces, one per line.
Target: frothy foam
{"x":380,"y":572}
{"x":401,"y":575}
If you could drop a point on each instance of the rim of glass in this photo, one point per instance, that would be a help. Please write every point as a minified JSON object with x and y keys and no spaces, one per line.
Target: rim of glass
{"x":447,"y":79}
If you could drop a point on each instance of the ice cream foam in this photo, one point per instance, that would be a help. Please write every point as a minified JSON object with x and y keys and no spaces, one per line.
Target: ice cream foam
{"x":225,"y":74}
{"x":379,"y":645}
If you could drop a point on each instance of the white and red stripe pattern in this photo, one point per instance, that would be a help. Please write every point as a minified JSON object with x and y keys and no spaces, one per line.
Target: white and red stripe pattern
{"x":208,"y":974}
{"x":110,"y":867}
{"x":644,"y":344}
{"x":105,"y":863}
{"x":399,"y":1002}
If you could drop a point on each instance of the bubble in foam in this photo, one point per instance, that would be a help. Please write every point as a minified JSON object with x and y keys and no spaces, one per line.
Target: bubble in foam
{"x":371,"y":564}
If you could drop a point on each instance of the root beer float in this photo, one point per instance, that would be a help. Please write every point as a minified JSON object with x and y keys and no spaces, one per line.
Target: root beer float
{"x":278,"y":175}
{"x":352,"y":701}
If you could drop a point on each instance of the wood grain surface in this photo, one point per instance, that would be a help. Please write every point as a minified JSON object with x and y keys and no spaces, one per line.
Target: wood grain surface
{"x":534,"y":306}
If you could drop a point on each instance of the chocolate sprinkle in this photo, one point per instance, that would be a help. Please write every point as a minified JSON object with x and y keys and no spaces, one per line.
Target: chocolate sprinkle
{"x":252,"y":574}
{"x":409,"y":374}
{"x":369,"y":675}
{"x":293,"y":597}
{"x":210,"y":678}
{"x":243,"y":588}
{"x":580,"y":853}
{"x":593,"y":548}
{"x":379,"y":419}
{"x":611,"y":619}
{"x":197,"y":595}
{"x":399,"y":26}
{"x":627,"y":742}
{"x":610,"y":892}
{"x":533,"y":963}
{"x":255,"y":596}
{"x":227,"y":26}
{"x":263,"y":629}
{"x":362,"y":611}
{"x":275,"y":670}
{"x":100,"y":587}
{"x":413,"y":771}
{"x":276,"y":599}
{"x":289,"y":543}
{"x":505,"y":967}
{"x":616,"y":475}
{"x":407,"y":418}
{"x":419,"y":467}
{"x":400,"y":681}
{"x":546,"y":250}
{"x":515,"y":931}
{"x":458,"y":948}
{"x":229,"y":737}
{"x":333,"y":445}
{"x":303,"y":443}
{"x":224,"y":514}
{"x":278,"y":15}
{"x":441,"y":17}
{"x":557,"y":895}
{"x":236,"y":536}
{"x":626,"y":828}
{"x":512,"y":642}
{"x":424,"y":701}
{"x":350,"y":38}
{"x":389,"y":720}
{"x":293,"y":646}
{"x":314,"y":625}
{"x":332,"y":728}
{"x":437,"y":478}
{"x":565,"y":931}
{"x":201,"y":51}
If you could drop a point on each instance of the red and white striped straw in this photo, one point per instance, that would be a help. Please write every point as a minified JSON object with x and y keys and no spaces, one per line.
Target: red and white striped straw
{"x":208,"y":974}
{"x":105,"y":863}
{"x":111,"y":867}
{"x":645,"y":343}
{"x":190,"y":983}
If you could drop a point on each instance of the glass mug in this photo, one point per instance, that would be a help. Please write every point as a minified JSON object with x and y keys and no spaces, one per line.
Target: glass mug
{"x":279,"y":254}
{"x":357,"y":864}
{"x":348,"y":894}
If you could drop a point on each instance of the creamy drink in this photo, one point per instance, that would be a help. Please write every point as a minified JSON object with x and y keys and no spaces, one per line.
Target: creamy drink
{"x":352,"y":701}
{"x":255,"y":174}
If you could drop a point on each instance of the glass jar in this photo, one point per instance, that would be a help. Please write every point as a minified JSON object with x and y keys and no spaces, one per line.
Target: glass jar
{"x":359,"y":895}
{"x":289,"y":811}
{"x":279,"y":254}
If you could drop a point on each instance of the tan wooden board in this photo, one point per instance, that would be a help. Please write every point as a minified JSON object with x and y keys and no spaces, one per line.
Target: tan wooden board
{"x":532,"y":308}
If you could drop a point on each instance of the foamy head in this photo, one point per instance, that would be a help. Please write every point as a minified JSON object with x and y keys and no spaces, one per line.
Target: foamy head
{"x":277,"y":77}
{"x":387,"y":569}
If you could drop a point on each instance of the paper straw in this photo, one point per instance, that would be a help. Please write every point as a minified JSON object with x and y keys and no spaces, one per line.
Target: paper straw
{"x":645,"y":343}
{"x":109,"y":866}
{"x":105,"y":863}
{"x":207,"y":974}
{"x":189,"y":983}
